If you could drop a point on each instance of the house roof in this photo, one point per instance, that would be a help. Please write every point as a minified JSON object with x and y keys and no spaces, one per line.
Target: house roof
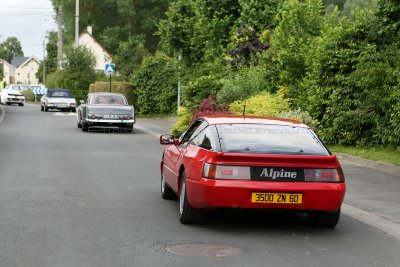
{"x":94,"y":39}
{"x":18,"y":61}
{"x":21,"y":61}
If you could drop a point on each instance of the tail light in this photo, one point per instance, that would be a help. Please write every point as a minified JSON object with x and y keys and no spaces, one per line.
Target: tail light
{"x":126,"y":117}
{"x":324,"y":175}
{"x":226,"y":172}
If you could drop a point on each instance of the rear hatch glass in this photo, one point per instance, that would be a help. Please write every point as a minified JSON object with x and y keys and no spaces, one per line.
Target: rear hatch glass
{"x":269,"y":139}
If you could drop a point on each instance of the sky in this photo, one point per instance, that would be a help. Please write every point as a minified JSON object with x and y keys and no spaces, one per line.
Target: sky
{"x":28,"y":21}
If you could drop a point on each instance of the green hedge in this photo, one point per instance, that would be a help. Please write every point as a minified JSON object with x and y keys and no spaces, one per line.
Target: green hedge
{"x":116,"y":87}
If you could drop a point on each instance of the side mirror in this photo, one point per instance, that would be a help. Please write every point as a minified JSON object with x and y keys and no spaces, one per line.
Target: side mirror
{"x":82,"y":101}
{"x":167,"y":139}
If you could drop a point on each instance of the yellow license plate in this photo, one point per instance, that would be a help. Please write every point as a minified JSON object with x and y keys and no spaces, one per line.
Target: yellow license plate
{"x":286,"y":198}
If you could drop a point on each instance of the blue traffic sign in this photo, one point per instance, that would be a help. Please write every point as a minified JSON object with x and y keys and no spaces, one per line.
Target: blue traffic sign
{"x":39,"y":91}
{"x":109,"y":69}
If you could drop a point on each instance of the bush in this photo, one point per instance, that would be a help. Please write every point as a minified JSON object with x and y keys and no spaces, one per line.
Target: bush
{"x":183,"y":122}
{"x":116,"y":87}
{"x":155,"y":83}
{"x":54,"y":80}
{"x":209,"y":106}
{"x":29,"y":95}
{"x":264,"y":104}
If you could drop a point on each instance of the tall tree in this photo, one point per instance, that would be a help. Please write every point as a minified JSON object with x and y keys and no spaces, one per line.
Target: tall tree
{"x":50,"y":61}
{"x":11,"y":48}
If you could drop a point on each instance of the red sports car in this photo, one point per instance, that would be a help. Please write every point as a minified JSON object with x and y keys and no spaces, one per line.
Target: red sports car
{"x":251,"y":163}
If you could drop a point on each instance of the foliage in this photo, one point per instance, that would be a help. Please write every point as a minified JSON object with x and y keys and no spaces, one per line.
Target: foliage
{"x":264,"y":104}
{"x":55,"y":79}
{"x":29,"y":95}
{"x":50,"y":61}
{"x":183,"y":122}
{"x":79,"y":72}
{"x":130,"y":55}
{"x":115,"y":20}
{"x":199,"y":30}
{"x":200,"y":81}
{"x":210,"y":106}
{"x":244,"y":83}
{"x":10,"y":48}
{"x":116,"y":87}
{"x":258,"y":14}
{"x":155,"y":83}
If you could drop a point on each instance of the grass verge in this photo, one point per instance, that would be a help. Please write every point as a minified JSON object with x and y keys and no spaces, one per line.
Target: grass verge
{"x":387,"y":155}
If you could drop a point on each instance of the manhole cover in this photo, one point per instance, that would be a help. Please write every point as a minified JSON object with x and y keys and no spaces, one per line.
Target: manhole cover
{"x":211,"y":250}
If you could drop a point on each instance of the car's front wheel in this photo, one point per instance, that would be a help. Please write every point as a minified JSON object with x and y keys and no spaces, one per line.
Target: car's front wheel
{"x":166,"y":191}
{"x":46,"y":108}
{"x":187,"y":215}
{"x":324,"y":219}
{"x":41,"y":108}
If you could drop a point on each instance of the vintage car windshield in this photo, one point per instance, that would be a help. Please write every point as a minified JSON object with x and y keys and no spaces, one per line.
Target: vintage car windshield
{"x":107,"y":100}
{"x":269,"y":139}
{"x":59,"y":93}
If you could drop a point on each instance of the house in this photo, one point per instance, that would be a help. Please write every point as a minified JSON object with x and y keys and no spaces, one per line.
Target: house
{"x":8,"y":71}
{"x":24,"y":70}
{"x":101,"y":55}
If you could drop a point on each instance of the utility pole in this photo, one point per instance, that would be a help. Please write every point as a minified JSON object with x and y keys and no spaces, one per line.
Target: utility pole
{"x":60,"y":37}
{"x":44,"y":62}
{"x":77,"y":23}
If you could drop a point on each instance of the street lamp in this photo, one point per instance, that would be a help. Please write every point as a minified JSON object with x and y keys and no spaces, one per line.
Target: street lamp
{"x":179,"y":81}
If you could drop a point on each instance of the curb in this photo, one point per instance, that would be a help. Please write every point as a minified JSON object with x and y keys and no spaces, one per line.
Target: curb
{"x":2,"y":114}
{"x":376,"y":165}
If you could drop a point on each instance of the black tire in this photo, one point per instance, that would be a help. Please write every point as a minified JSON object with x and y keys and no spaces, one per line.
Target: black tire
{"x":85,"y":127}
{"x":41,"y":108}
{"x":166,"y":191}
{"x":324,"y":219}
{"x":21,"y":104}
{"x":73,"y":109}
{"x":187,"y":215}
{"x":8,"y":103}
{"x":46,"y":109}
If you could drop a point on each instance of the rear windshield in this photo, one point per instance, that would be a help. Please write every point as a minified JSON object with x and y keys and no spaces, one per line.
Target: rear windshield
{"x":108,"y":99}
{"x":60,"y":93}
{"x":269,"y":139}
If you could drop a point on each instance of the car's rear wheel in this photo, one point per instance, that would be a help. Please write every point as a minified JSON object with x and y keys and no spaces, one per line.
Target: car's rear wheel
{"x":46,"y":108}
{"x":85,"y":127}
{"x":187,"y":215}
{"x":166,"y":191}
{"x":78,"y":123}
{"x":324,"y":219}
{"x":21,"y":104}
{"x":41,"y":108}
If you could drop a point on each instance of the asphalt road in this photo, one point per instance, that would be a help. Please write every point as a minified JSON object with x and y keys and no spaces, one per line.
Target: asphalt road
{"x":69,"y":198}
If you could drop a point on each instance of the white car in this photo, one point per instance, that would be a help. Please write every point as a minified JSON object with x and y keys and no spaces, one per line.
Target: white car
{"x":19,"y":87}
{"x":61,"y":99}
{"x":10,"y":96}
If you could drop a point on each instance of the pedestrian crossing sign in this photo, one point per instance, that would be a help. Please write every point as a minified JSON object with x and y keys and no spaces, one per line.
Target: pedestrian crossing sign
{"x":109,"y":69}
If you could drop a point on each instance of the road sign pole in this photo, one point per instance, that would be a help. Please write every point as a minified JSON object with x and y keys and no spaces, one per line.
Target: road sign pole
{"x":110,"y":83}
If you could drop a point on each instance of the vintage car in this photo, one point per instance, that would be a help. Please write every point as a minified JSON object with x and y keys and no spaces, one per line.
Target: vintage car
{"x":106,"y":111}
{"x":11,"y":96}
{"x":61,"y":99}
{"x":248,"y":162}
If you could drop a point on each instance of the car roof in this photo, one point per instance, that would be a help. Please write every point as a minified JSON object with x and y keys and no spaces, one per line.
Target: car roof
{"x":236,"y":119}
{"x":57,"y":89}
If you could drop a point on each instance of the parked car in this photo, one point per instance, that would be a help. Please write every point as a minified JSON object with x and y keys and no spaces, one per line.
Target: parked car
{"x":61,"y":99}
{"x":246,"y":162}
{"x":10,"y":96}
{"x":19,"y":87}
{"x":109,"y":111}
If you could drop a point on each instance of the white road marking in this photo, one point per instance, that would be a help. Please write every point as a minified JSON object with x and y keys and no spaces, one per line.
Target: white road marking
{"x":385,"y":225}
{"x":63,"y":114}
{"x":150,"y":132}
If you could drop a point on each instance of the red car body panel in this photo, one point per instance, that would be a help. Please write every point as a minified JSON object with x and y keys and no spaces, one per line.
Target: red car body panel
{"x":207,"y":193}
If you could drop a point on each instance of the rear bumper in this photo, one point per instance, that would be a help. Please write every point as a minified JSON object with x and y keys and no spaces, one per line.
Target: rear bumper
{"x":109,"y":123}
{"x":209,"y":193}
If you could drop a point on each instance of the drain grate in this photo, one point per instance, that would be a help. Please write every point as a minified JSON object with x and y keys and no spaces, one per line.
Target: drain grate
{"x":210,"y":250}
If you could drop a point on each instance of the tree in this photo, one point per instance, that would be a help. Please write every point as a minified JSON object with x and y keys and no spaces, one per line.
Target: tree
{"x":11,"y":48}
{"x":79,"y":71}
{"x":51,"y":57}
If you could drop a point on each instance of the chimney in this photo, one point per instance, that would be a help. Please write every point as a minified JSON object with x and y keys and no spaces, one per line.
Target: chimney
{"x":89,"y":29}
